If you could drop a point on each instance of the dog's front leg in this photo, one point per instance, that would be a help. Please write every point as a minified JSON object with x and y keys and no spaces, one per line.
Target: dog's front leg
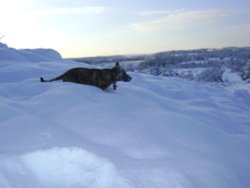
{"x":114,"y":85}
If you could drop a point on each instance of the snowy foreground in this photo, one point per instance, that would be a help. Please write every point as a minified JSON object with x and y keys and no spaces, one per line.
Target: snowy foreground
{"x":153,"y":132}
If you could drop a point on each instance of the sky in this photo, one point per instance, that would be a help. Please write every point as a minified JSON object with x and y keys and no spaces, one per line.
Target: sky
{"x":81,"y":28}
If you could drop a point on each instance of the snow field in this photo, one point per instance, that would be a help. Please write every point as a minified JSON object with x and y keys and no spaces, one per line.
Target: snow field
{"x":153,"y":132}
{"x":61,"y":167}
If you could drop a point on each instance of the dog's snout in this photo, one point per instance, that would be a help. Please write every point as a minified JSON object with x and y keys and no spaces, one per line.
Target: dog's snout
{"x":128,"y":78}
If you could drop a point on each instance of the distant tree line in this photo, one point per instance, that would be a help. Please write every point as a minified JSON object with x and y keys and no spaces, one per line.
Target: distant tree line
{"x":212,"y":62}
{"x":109,"y":59}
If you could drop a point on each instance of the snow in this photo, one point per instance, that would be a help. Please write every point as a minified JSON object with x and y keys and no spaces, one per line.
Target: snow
{"x":230,"y":76}
{"x":62,"y":167}
{"x":152,"y":132}
{"x":30,"y":55}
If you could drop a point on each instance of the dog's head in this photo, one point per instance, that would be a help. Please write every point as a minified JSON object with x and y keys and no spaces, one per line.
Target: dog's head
{"x":120,"y":74}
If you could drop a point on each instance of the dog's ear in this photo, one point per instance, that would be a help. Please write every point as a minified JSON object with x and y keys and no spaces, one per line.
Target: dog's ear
{"x":117,"y":64}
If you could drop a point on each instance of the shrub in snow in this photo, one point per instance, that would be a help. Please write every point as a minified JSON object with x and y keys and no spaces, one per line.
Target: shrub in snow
{"x":169,"y":73}
{"x":213,"y":74}
{"x":245,"y":73}
{"x":187,"y":75}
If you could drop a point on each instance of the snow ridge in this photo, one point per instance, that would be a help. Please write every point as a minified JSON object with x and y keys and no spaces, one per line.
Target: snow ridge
{"x":28,"y":55}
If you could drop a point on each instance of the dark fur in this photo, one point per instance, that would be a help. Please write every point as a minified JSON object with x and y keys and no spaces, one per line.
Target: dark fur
{"x":101,"y":78}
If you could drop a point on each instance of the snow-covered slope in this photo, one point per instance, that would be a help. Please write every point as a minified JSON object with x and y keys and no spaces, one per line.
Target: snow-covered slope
{"x":153,"y":132}
{"x":27,"y":55}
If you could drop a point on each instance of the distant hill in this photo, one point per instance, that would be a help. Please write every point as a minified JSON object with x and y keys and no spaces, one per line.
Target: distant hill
{"x":110,"y":59}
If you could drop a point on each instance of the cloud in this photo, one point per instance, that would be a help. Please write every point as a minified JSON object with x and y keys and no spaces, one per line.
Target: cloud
{"x":176,"y":20}
{"x":75,"y":10}
{"x":154,"y":13}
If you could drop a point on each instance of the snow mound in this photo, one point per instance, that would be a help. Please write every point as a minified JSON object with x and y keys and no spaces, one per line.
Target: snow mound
{"x":27,"y":55}
{"x":60,"y":168}
{"x":2,"y":45}
{"x":152,"y":132}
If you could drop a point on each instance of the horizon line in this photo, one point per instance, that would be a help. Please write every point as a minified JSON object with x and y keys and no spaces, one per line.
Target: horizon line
{"x":156,"y":52}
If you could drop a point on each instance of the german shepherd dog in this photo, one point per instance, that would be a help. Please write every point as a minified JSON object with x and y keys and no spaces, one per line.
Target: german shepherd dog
{"x":101,"y":78}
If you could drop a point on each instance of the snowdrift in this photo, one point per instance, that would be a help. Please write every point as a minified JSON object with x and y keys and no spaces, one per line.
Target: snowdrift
{"x":27,"y":55}
{"x":153,"y":132}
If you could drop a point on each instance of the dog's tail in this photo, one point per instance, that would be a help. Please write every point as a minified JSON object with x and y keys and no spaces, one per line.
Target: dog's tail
{"x":51,"y":80}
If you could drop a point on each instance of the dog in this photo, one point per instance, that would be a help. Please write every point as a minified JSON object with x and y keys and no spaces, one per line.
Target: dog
{"x":101,"y":78}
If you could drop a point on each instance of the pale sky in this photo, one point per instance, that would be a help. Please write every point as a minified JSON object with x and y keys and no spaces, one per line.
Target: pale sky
{"x":79,"y":28}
